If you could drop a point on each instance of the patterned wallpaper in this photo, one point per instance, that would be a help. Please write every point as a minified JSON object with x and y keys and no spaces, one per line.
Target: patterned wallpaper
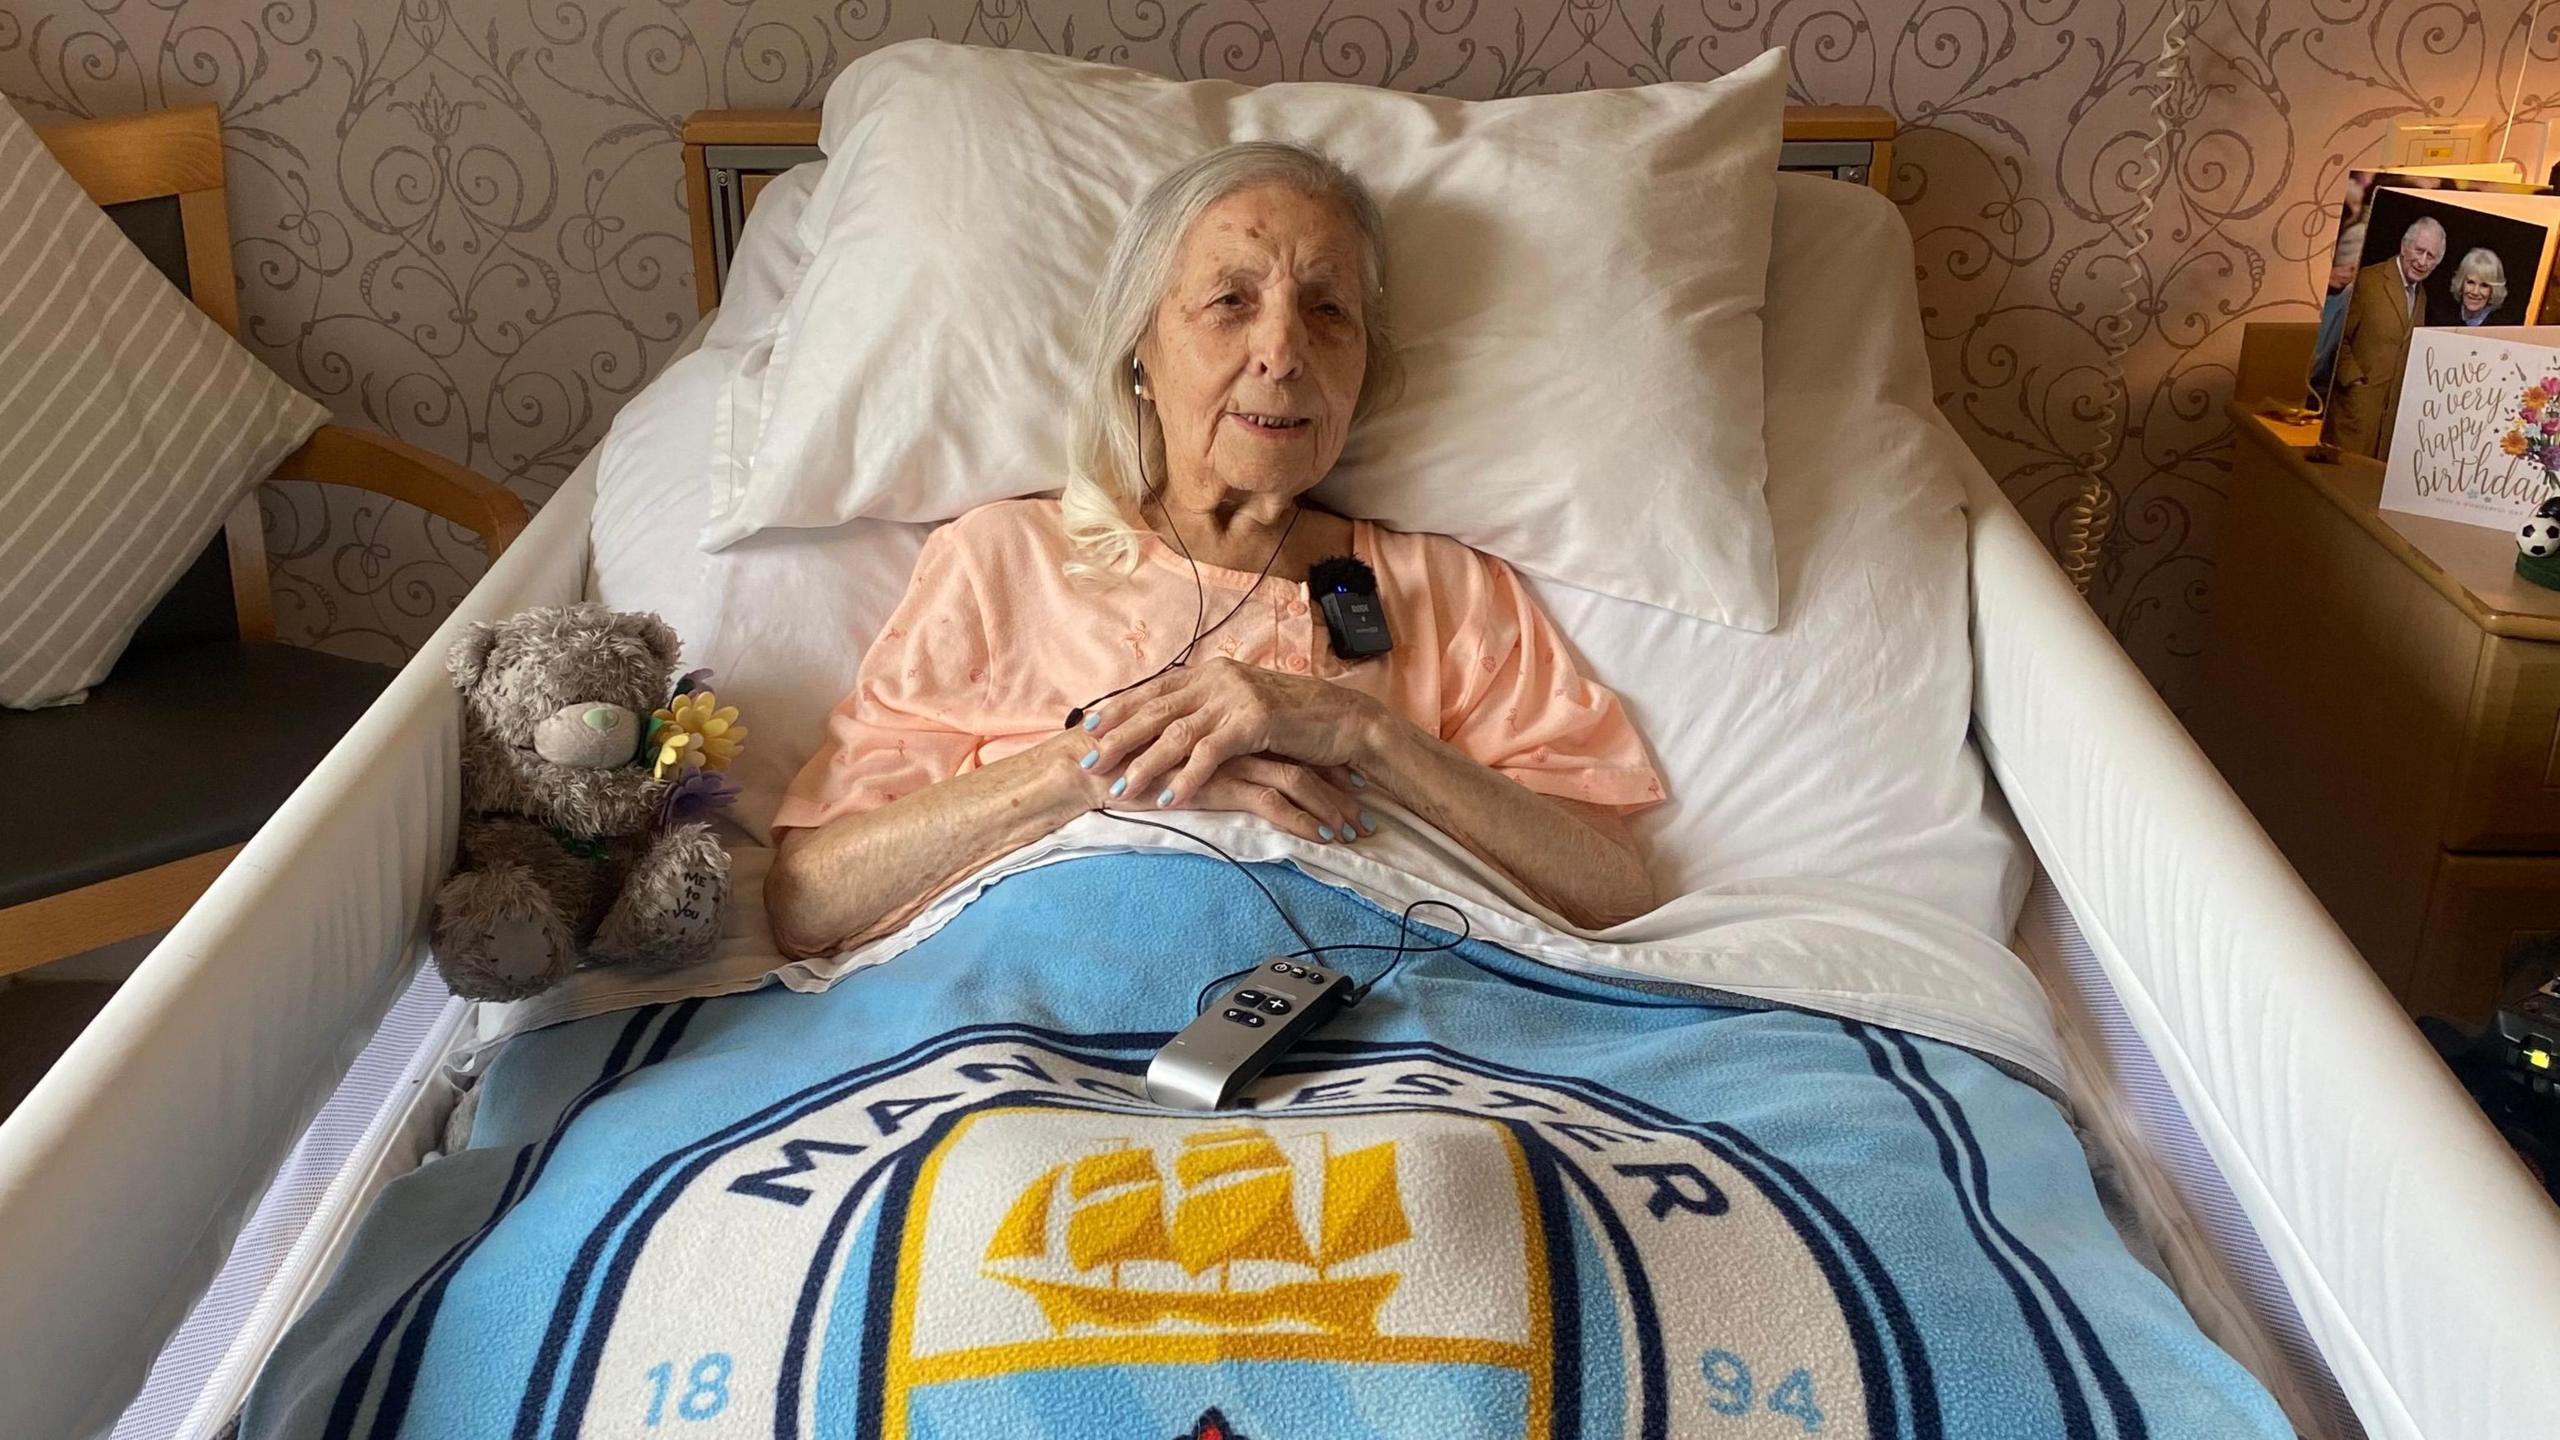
{"x":461,"y":221}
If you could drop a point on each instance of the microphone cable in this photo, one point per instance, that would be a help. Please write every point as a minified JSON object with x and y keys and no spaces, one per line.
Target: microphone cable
{"x":1199,"y":586}
{"x":1404,"y":947}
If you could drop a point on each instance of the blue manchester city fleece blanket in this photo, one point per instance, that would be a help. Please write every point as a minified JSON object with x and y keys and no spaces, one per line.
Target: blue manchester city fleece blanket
{"x":1495,"y":1199}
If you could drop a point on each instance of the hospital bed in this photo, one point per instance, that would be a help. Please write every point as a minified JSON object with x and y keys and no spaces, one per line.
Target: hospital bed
{"x":2328,"y":1204}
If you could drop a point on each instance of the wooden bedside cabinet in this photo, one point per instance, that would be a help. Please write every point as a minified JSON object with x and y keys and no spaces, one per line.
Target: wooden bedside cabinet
{"x":2384,"y":693}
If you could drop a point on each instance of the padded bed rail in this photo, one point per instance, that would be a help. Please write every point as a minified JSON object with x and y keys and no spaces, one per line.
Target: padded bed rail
{"x":2423,"y":1258}
{"x":126,"y":1173}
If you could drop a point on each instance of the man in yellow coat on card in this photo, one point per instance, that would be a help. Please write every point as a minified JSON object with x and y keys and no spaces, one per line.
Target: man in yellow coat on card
{"x":2388,"y":302}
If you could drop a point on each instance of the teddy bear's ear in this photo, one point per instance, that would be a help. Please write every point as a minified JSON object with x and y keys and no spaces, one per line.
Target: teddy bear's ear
{"x":657,"y":634}
{"x":470,"y":654}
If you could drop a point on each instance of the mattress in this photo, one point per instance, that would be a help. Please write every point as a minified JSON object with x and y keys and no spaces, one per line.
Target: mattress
{"x":2385,"y":1218}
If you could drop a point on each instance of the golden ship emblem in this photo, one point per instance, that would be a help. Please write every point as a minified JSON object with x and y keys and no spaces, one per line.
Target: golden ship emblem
{"x":1234,"y":1198}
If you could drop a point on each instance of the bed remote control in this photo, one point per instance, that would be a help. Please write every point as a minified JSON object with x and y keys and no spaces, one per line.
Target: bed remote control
{"x":1238,"y":1037}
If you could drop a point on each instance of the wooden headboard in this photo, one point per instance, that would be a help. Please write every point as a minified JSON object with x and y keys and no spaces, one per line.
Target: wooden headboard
{"x":730,"y":156}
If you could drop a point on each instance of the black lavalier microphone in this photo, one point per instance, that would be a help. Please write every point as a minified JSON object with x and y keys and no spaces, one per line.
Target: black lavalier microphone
{"x":1347,"y":591}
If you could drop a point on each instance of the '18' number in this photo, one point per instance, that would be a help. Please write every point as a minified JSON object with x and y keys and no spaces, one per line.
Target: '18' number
{"x":706,"y":1391}
{"x":1730,"y":1378}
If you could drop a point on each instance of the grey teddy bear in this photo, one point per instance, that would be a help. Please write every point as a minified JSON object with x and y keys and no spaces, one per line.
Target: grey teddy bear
{"x":564,"y":851}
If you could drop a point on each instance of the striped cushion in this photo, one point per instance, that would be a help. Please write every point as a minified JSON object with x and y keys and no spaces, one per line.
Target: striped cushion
{"x":129,"y":426}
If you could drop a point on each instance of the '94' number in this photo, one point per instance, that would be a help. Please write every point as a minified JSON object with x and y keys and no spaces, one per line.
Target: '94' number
{"x":1729,"y":1377}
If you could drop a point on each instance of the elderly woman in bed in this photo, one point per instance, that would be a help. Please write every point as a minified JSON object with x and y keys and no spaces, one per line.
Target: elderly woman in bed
{"x":1235,"y":339}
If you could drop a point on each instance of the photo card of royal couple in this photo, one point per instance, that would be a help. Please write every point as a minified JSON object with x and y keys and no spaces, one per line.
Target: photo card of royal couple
{"x":2415,"y":252}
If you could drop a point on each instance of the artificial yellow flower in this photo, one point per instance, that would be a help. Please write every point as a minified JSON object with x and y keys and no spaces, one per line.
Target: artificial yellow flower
{"x":677,"y":751}
{"x":697,"y":732}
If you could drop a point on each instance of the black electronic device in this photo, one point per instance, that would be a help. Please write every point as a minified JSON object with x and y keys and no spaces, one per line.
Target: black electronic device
{"x":2513,"y":1068}
{"x":1346,"y":590}
{"x":2528,"y":1037}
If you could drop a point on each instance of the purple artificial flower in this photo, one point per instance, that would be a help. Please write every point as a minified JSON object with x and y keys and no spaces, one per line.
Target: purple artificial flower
{"x":696,"y":795}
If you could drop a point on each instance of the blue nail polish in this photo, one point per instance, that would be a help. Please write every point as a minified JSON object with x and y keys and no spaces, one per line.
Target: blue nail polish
{"x":1368,"y":824}
{"x":1324,"y":832}
{"x":1089,"y":757}
{"x":1165,"y":799}
{"x":1359,"y":781}
{"x":1120,"y":785}
{"x":1093,"y":722}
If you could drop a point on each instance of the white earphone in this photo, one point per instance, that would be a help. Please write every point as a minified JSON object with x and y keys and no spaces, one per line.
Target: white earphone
{"x":1137,"y":385}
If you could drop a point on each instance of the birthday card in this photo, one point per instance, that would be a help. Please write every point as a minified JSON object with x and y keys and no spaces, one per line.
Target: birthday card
{"x":2477,"y":437}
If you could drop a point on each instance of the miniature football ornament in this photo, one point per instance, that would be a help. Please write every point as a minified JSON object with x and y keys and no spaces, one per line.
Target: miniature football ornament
{"x":2539,"y":537}
{"x":2538,"y":546}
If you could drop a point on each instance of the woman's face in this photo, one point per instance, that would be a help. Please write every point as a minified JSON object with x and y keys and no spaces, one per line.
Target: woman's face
{"x":1258,"y":349}
{"x":2474,"y":290}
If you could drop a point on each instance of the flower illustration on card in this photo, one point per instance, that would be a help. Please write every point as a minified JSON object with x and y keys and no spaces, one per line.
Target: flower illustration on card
{"x":2535,"y":435}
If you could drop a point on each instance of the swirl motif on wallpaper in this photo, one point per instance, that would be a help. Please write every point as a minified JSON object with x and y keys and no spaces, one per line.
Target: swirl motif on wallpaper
{"x":462,"y":222}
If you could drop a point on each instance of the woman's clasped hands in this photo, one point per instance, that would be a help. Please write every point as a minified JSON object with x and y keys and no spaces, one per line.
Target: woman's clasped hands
{"x":1221,"y":735}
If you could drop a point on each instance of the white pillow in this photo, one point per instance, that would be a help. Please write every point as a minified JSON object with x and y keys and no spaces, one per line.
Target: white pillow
{"x":1835,"y":746}
{"x":650,"y":466}
{"x":781,"y":618}
{"x":1576,"y":280}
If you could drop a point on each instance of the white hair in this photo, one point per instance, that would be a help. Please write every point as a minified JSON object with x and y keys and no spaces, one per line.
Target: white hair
{"x":2423,"y":222}
{"x":1099,"y":503}
{"x":2482,"y":263}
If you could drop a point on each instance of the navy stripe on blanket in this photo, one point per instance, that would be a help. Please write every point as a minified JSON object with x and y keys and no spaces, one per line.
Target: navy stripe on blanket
{"x":1960,"y":1159}
{"x":427,"y":1292}
{"x":2122,"y":1407}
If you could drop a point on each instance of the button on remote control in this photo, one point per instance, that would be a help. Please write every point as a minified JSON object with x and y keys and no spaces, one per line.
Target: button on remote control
{"x":1273,"y":1003}
{"x":1244,"y":1017}
{"x":1250,"y":997}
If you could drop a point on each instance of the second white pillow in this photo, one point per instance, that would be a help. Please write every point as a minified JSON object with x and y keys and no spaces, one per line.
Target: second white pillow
{"x":1576,"y":279}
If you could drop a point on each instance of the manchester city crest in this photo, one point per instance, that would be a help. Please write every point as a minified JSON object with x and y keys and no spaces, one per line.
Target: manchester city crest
{"x":997,"y":1235}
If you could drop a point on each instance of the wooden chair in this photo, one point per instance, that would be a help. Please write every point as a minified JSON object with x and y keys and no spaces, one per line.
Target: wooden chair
{"x":126,"y":807}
